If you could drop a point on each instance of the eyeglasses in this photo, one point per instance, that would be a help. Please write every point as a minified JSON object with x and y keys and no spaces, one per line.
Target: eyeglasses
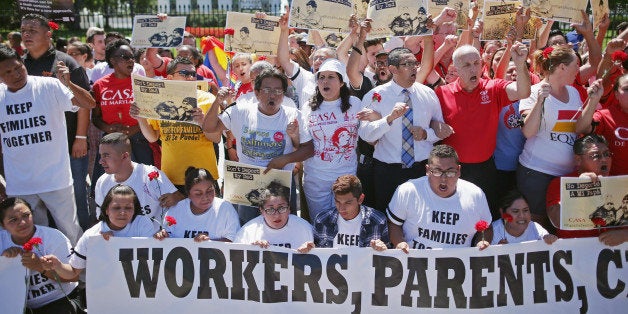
{"x":448,"y":173}
{"x":272,"y":91}
{"x":380,"y":64}
{"x":409,"y":64}
{"x":187,"y":73}
{"x":278,"y":210}
{"x":125,"y":57}
{"x":598,"y":156}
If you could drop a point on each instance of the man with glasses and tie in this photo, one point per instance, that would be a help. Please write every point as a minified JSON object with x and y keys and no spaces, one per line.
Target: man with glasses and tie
{"x":439,"y":210}
{"x":183,"y":143}
{"x":403,"y":135}
{"x":264,"y":129}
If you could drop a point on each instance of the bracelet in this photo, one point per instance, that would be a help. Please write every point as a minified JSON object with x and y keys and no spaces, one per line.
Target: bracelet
{"x":356,"y":49}
{"x":81,"y":137}
{"x":159,"y":66}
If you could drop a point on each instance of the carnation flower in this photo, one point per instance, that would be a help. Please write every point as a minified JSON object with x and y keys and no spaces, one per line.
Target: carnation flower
{"x":53,"y":25}
{"x":170,"y":221}
{"x":547,"y":51}
{"x":229,"y":31}
{"x":619,"y":56}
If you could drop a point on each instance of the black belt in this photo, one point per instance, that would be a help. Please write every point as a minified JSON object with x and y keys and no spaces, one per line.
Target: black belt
{"x":400,"y":165}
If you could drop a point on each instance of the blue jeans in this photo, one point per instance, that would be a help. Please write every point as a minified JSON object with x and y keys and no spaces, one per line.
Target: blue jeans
{"x":79,"y":174}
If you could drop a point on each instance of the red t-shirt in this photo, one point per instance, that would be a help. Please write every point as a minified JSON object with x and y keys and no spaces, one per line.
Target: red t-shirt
{"x":164,"y":73}
{"x":613,"y":125}
{"x":205,"y":72}
{"x":114,"y":96}
{"x":244,"y":88}
{"x":473,"y":116}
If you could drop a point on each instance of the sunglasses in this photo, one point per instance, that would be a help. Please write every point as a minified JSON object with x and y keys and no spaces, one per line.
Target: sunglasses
{"x":125,"y":57}
{"x":187,"y":73}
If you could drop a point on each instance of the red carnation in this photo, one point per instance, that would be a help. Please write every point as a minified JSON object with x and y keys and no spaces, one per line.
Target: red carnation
{"x":153,"y":175}
{"x":598,"y":221}
{"x":619,"y":56}
{"x":377,"y":97}
{"x":547,"y":51}
{"x":32,"y":243}
{"x":170,"y":221}
{"x":229,"y":31}
{"x":507,"y":217}
{"x":481,"y":225}
{"x":53,"y":25}
{"x":27,"y":247}
{"x":262,"y":58}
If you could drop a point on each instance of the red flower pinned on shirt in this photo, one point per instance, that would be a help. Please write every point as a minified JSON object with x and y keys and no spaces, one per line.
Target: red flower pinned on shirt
{"x":547,"y":51}
{"x":619,"y":56}
{"x":153,"y":175}
{"x":170,"y":221}
{"x":32,"y":243}
{"x":229,"y":31}
{"x":598,"y":221}
{"x":377,"y":97}
{"x":53,"y":25}
{"x":507,"y":217}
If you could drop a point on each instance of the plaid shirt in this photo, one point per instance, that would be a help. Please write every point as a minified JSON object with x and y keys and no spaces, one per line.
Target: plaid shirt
{"x":374,"y":226}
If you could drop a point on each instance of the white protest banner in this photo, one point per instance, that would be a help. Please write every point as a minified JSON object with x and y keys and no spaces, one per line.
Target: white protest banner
{"x":557,"y":10}
{"x":243,"y":182}
{"x":165,"y":99}
{"x":13,"y":285}
{"x":398,"y":18}
{"x":499,"y":18}
{"x":149,"y":31}
{"x":583,"y":201}
{"x":461,"y":6}
{"x":182,"y":276}
{"x":251,"y":34}
{"x":329,"y":15}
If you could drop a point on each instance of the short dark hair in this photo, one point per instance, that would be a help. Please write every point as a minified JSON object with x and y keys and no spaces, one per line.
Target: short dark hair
{"x":7,"y":53}
{"x":276,"y":189}
{"x":124,"y":190}
{"x":394,"y":56}
{"x":112,"y":47}
{"x":195,"y":175}
{"x":172,"y":65}
{"x":120,"y":140}
{"x":443,"y":151}
{"x":510,"y":197}
{"x":372,"y":42}
{"x":113,"y":36}
{"x":581,"y":145}
{"x":9,"y":203}
{"x":82,"y":48}
{"x":43,"y":21}
{"x":271,"y":73}
{"x":556,"y":32}
{"x":347,"y":183}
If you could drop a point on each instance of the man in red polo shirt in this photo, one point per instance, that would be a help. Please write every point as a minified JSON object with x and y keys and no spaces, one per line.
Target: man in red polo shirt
{"x":471,"y":106}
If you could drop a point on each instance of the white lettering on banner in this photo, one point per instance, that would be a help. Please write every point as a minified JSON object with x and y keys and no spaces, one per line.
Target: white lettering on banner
{"x":179,"y":275}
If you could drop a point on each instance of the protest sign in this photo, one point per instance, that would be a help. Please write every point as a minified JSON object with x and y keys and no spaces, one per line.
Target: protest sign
{"x":55,"y":10}
{"x":243,"y":182}
{"x":165,"y":99}
{"x":398,"y":18}
{"x":252,"y":34}
{"x":183,"y":276}
{"x":461,"y":7}
{"x":151,"y":32}
{"x":557,"y":10}
{"x":329,"y":15}
{"x":499,"y":19}
{"x":583,"y":201}
{"x":599,"y":7}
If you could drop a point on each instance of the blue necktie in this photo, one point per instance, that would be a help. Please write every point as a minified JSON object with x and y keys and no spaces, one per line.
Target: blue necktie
{"x":407,"y":143}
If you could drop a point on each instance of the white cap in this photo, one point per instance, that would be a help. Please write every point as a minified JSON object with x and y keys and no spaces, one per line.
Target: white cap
{"x":335,"y":66}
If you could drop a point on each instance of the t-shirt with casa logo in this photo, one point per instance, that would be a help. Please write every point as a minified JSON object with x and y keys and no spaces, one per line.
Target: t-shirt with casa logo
{"x":219,"y":221}
{"x":430,"y":221}
{"x":32,"y":124}
{"x":348,"y":232}
{"x":114,"y":96}
{"x":296,"y":232}
{"x":260,"y":138}
{"x":148,"y":191}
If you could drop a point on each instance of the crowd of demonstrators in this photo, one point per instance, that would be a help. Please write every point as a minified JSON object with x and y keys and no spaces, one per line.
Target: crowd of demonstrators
{"x":400,"y":143}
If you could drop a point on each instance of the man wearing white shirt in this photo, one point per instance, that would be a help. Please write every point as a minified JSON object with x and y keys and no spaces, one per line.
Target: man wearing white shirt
{"x":396,"y":98}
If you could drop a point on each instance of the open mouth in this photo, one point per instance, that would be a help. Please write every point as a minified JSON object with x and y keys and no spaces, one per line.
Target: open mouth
{"x":604,"y":168}
{"x":326,"y":89}
{"x":442,"y":187}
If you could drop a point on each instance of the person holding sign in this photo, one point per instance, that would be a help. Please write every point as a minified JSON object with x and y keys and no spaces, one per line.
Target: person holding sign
{"x":276,"y":226}
{"x":202,"y":215}
{"x":438,"y":210}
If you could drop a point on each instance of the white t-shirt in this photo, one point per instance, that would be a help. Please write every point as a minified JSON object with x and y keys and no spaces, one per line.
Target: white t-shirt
{"x":34,"y":136}
{"x":42,"y":290}
{"x":140,"y":227}
{"x":335,"y":137}
{"x":430,"y":221}
{"x":304,"y":83}
{"x":296,"y":232}
{"x":348,"y":232}
{"x":102,"y":69}
{"x":219,"y":221}
{"x":532,"y":233}
{"x":259,"y":137}
{"x":147,"y":191}
{"x":551,"y":149}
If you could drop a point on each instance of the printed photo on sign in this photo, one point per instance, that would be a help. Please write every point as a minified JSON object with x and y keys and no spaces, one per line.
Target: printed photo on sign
{"x":585,"y":204}
{"x":557,"y":10}
{"x":330,"y":39}
{"x":599,"y":7}
{"x":164,"y":99}
{"x":499,"y":19}
{"x":328,"y":15}
{"x":252,"y":34}
{"x":398,"y":18}
{"x":461,"y":7}
{"x":151,"y":32}
{"x":243,"y":183}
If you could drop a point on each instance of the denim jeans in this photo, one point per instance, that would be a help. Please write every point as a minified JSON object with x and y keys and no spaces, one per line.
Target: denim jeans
{"x":79,"y":174}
